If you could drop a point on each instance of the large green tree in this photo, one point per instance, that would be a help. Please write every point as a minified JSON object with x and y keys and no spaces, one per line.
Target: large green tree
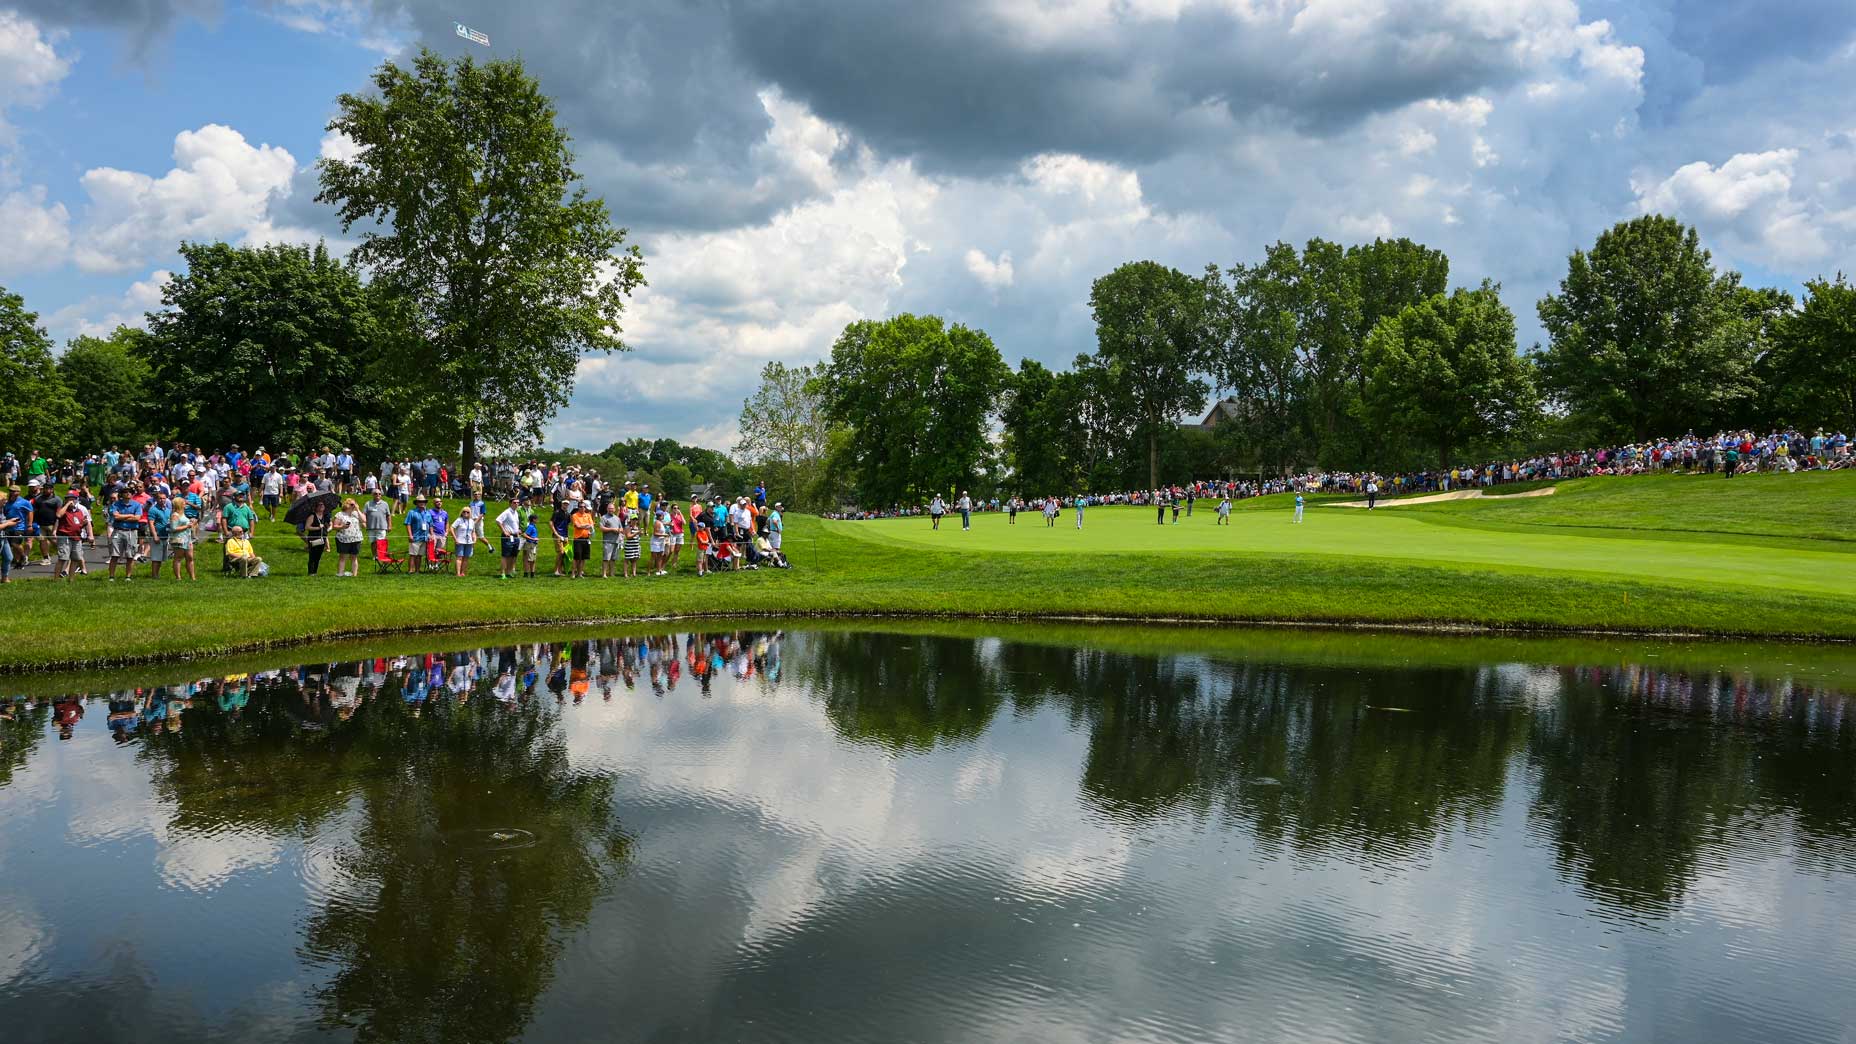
{"x":1044,"y":442}
{"x":917,"y":394}
{"x":1258,"y":356}
{"x":505,"y":269}
{"x":1289,"y":345}
{"x":1647,"y":338}
{"x":1812,"y":371}
{"x":1152,"y":338}
{"x":783,"y":428}
{"x":37,"y":411}
{"x":266,"y":346}
{"x":112,"y":377}
{"x":1446,"y":372}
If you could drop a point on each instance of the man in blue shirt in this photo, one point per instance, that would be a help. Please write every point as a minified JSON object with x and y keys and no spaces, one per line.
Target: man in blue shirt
{"x":644,"y":500}
{"x":418,"y":531}
{"x":16,"y":515}
{"x":159,"y":511}
{"x":125,"y":532}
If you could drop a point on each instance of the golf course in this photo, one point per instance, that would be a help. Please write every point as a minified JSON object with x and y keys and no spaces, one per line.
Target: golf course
{"x":1767,"y":556}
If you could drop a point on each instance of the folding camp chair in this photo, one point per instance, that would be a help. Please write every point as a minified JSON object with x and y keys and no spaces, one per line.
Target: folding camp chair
{"x":385,"y":560}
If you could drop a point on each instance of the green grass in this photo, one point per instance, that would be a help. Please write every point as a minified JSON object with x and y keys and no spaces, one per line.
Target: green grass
{"x":1818,"y":505}
{"x":1523,"y":564}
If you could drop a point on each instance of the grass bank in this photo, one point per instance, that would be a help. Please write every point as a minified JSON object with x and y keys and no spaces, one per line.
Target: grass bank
{"x":1448,"y":565}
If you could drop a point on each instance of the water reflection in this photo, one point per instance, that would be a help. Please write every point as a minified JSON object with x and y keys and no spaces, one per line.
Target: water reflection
{"x":453,"y":823}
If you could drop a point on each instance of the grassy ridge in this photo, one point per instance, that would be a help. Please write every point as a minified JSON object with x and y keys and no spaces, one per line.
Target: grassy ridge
{"x":1406,"y":566}
{"x":1815,"y":506}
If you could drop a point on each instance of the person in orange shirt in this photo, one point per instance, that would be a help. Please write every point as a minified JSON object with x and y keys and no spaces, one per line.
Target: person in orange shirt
{"x":702,"y":542}
{"x":581,"y":522}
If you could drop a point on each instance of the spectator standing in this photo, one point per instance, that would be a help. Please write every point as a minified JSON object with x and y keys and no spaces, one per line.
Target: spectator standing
{"x":348,"y":526}
{"x":125,"y":532}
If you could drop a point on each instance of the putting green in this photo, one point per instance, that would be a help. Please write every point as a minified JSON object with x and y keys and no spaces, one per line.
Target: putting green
{"x":1404,"y":536}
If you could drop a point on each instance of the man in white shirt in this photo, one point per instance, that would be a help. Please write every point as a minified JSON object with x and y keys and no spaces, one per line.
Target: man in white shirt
{"x":273,"y":490}
{"x":509,"y":525}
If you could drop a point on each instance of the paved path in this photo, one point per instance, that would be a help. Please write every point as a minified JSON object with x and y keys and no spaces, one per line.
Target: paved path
{"x":97,"y":561}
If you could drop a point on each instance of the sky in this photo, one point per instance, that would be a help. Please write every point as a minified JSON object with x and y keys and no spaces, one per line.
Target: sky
{"x":790,"y":167}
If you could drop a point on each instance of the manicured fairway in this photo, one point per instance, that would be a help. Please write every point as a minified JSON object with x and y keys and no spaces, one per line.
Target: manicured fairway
{"x":1413,"y":535}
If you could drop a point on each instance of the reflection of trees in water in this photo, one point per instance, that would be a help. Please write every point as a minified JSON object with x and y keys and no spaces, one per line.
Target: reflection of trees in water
{"x":1640,"y":770}
{"x":903,"y":692}
{"x":22,"y":727}
{"x":427,"y":936}
{"x":1381,"y":762}
{"x":1307,"y":757}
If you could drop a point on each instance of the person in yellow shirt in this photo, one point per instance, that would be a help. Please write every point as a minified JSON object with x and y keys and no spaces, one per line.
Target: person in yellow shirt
{"x":631,"y":500}
{"x":240,"y":554}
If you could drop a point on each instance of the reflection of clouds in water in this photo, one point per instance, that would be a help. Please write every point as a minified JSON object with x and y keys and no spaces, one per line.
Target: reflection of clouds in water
{"x":116,"y":804}
{"x":980,"y":776}
{"x":22,"y":936}
{"x":201,"y":862}
{"x":1541,"y":688}
{"x":784,"y":894}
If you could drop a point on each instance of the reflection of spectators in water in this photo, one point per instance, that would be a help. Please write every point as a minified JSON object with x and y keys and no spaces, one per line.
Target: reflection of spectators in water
{"x":67,"y":712}
{"x":1729,"y":697}
{"x":125,"y":715}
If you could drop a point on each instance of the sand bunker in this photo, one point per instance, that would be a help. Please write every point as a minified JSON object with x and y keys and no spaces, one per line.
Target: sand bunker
{"x":1456,"y":494}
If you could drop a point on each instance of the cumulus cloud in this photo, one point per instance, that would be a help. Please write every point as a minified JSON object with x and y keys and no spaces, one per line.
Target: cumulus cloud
{"x":30,"y":67}
{"x":99,"y":315}
{"x":37,"y":234}
{"x":993,"y":274}
{"x":220,"y":186}
{"x":1747,"y":200}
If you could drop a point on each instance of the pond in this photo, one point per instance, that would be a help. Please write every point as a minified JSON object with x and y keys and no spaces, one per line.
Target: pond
{"x":936,"y":832}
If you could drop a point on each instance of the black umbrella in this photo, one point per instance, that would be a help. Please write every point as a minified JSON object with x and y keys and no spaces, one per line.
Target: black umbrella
{"x":301,"y":510}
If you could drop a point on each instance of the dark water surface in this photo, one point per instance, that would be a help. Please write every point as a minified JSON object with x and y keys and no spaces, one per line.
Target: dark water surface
{"x":937,"y":834}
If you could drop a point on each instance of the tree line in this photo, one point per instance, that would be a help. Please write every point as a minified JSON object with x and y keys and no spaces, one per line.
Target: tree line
{"x":482,"y":275}
{"x":1339,"y":357}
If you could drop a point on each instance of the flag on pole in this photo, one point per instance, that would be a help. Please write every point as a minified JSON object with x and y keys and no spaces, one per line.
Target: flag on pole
{"x":470,"y":34}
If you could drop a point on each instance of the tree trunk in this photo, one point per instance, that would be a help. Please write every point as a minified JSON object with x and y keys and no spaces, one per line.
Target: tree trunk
{"x":470,"y":447}
{"x":1443,"y":450}
{"x":1153,"y":457}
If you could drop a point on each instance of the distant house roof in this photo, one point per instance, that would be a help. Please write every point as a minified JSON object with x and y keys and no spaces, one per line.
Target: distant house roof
{"x":700,"y":490}
{"x":1221,"y":411}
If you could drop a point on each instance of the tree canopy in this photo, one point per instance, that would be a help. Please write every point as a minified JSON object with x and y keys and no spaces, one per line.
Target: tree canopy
{"x":1812,"y":369}
{"x":915,"y":395}
{"x":1445,"y":371}
{"x":37,"y":411}
{"x":783,"y":427}
{"x":1151,"y":337}
{"x":112,"y":376}
{"x":267,"y":346}
{"x":1647,"y":338}
{"x":502,"y":268}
